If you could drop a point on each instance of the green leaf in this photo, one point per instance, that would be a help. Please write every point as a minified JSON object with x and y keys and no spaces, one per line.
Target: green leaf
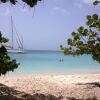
{"x":96,"y":2}
{"x":4,"y":40}
{"x":98,"y":39}
{"x":61,"y":47}
{"x":85,"y":33}
{"x":89,"y":22}
{"x":73,"y":33}
{"x":69,"y":41}
{"x":95,"y":16}
{"x":88,"y":17}
{"x":81,"y":29}
{"x":0,"y":37}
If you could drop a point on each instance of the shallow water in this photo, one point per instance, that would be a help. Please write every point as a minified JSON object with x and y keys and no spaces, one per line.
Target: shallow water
{"x":53,"y":62}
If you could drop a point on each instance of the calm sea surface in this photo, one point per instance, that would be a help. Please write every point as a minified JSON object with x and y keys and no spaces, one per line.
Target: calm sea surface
{"x":53,"y":62}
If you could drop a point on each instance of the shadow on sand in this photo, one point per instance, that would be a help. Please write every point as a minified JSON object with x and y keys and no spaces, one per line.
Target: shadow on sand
{"x":8,"y":93}
{"x":93,"y":84}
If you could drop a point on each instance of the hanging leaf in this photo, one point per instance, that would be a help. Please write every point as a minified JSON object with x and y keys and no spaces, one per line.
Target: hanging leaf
{"x":95,"y":16}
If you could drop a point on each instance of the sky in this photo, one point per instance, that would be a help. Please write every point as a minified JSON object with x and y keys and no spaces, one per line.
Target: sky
{"x":49,"y":24}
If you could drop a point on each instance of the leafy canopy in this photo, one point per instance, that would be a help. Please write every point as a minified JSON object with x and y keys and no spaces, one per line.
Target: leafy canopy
{"x":85,"y":40}
{"x":96,"y":2}
{"x":6,"y":64}
{"x":30,"y":3}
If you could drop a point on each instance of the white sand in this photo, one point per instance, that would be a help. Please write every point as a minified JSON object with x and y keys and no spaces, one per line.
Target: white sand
{"x":57,"y":85}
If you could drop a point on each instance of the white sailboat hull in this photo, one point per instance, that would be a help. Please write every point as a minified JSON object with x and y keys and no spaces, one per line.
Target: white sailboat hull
{"x":12,"y":49}
{"x":15,"y":51}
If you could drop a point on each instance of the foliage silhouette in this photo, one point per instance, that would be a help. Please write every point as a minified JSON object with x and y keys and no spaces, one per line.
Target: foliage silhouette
{"x":85,"y":40}
{"x":6,"y":64}
{"x":30,"y":3}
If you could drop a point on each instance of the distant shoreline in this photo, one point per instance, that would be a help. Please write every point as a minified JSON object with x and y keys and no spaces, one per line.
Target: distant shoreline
{"x":52,"y":73}
{"x":44,"y":50}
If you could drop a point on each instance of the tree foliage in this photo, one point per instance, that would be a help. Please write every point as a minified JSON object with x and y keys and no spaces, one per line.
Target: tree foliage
{"x":96,"y":2}
{"x":6,"y":64}
{"x":85,"y":40}
{"x":30,"y":3}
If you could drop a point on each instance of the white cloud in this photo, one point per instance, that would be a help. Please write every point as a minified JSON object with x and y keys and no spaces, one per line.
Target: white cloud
{"x":78,"y":5}
{"x":7,"y":12}
{"x":61,"y":1}
{"x":88,"y":1}
{"x":24,"y":10}
{"x":60,"y":11}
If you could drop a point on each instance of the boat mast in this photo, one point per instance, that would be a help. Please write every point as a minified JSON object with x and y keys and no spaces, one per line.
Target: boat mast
{"x":16,"y":36}
{"x":12,"y":32}
{"x":22,"y":44}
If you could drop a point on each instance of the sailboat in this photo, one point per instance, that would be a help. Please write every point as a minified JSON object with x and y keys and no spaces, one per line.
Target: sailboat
{"x":19,"y":41}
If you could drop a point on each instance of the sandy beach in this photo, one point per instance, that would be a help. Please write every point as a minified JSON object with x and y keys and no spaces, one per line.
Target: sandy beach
{"x":80,"y":86}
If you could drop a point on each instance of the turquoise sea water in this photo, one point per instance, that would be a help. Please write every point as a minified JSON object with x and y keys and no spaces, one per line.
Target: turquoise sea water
{"x":53,"y":62}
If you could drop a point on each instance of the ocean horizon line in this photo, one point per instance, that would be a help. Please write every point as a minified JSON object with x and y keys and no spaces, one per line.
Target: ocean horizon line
{"x":43,"y":50}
